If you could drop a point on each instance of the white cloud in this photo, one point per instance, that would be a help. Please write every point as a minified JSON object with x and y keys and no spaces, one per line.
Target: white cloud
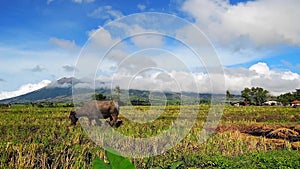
{"x":24,"y":89}
{"x":148,"y":38}
{"x":236,"y":79}
{"x":141,"y":29}
{"x":105,"y":12}
{"x":277,"y":82}
{"x":56,"y":84}
{"x":148,"y":41}
{"x":83,"y":1}
{"x":243,"y":47}
{"x":140,"y":36}
{"x":141,"y":7}
{"x":246,"y":32}
{"x":49,"y":61}
{"x":260,"y":68}
{"x":49,"y":1}
{"x":37,"y":68}
{"x":69,"y":68}
{"x":102,"y":39}
{"x":264,"y":22}
{"x":64,"y":44}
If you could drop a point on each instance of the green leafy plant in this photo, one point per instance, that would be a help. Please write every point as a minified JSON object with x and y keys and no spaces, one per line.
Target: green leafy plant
{"x":116,"y":161}
{"x":98,"y":96}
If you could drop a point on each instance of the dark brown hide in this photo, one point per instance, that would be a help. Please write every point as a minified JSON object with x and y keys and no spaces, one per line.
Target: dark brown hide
{"x":96,"y":110}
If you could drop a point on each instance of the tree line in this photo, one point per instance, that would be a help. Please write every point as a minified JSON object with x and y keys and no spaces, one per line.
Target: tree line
{"x":258,"y":96}
{"x":287,"y":98}
{"x":252,"y":96}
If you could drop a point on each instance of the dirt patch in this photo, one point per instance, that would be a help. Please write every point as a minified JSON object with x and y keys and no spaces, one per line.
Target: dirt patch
{"x":224,"y":128}
{"x":257,"y":130}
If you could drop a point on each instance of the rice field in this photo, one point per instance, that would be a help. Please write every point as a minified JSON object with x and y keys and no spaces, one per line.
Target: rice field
{"x":249,"y":137}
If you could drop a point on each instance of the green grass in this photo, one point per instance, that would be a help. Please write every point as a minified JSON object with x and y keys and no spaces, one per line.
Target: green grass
{"x":271,"y":159}
{"x":32,"y":137}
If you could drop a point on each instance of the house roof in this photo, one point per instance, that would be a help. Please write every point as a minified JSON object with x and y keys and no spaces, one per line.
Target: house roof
{"x":271,"y":101}
{"x":295,"y":101}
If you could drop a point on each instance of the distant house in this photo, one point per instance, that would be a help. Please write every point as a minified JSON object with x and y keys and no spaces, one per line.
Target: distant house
{"x":272,"y":103}
{"x":240,"y":103}
{"x":295,"y":103}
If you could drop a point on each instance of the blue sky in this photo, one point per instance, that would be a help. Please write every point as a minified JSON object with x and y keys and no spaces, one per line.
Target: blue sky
{"x":36,"y":21}
{"x":41,"y":40}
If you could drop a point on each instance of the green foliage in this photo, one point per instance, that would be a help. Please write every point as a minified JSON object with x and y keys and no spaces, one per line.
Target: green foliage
{"x":259,"y":95}
{"x":98,"y":96}
{"x":287,"y":98}
{"x":255,"y":95}
{"x":116,"y":161}
{"x":117,"y":92}
{"x":271,"y":159}
{"x":176,"y":165}
{"x":297,"y":94}
{"x":229,"y":95}
{"x":100,"y":164}
{"x":246,"y":94}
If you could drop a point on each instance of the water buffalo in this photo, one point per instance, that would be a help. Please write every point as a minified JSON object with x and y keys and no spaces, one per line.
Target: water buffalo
{"x":95,"y":110}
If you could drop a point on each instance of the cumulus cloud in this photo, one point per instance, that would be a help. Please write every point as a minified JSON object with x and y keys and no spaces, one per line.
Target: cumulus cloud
{"x":147,"y":40}
{"x":264,"y":22}
{"x":37,"y":68}
{"x":64,"y":44}
{"x":106,"y":13}
{"x":64,"y":82}
{"x":277,"y":82}
{"x":247,"y":31}
{"x":83,"y":1}
{"x":260,"y":68}
{"x":103,"y":39}
{"x":75,"y":1}
{"x":242,"y":43}
{"x":68,"y":68}
{"x":59,"y":85}
{"x":141,"y":37}
{"x":236,"y":79}
{"x":24,"y":89}
{"x":141,"y":7}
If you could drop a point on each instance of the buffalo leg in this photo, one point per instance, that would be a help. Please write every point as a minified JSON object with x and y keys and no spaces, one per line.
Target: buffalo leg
{"x":113,"y":120}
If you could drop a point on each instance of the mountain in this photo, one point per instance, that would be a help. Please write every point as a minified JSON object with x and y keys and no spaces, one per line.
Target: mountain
{"x":58,"y":91}
{"x":61,"y":91}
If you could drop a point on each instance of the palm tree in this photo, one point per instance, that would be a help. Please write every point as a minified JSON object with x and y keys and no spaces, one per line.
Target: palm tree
{"x":117,"y":92}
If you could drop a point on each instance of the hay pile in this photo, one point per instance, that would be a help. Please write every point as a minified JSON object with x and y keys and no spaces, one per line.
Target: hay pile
{"x":291,"y":133}
{"x":283,"y":133}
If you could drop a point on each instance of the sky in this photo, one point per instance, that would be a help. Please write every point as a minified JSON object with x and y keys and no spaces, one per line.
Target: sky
{"x":257,"y":43}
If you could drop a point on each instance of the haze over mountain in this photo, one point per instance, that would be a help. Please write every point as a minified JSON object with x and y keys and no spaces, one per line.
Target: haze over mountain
{"x":61,"y":91}
{"x":57,"y":91}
